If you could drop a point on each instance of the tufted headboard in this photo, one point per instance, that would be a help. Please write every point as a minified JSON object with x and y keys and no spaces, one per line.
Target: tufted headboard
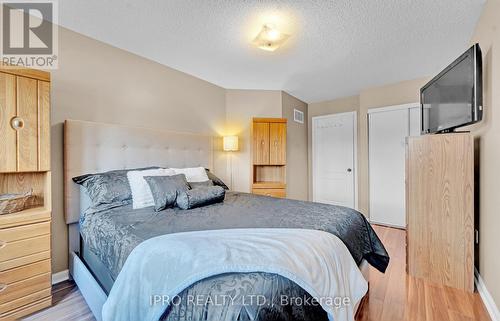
{"x":96,"y":147}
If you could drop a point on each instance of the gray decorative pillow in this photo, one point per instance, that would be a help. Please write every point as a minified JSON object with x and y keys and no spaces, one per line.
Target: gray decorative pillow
{"x":217,"y":181}
{"x":200,"y":196}
{"x":166,"y":188}
{"x":201,"y":184}
{"x":108,"y":187}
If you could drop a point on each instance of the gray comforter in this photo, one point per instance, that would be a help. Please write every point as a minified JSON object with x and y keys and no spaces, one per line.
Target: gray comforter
{"x":113,"y":233}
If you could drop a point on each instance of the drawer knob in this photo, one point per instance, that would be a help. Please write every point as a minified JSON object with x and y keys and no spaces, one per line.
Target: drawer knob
{"x":17,"y":123}
{"x":3,"y":287}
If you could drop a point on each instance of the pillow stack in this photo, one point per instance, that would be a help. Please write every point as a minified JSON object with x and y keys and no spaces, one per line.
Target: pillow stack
{"x":154,"y":186}
{"x":160,"y":187}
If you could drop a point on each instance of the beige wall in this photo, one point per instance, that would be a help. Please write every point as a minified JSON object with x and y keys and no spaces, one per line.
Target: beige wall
{"x":395,"y":94}
{"x":487,"y":34}
{"x":98,"y":82}
{"x":241,"y":107}
{"x":296,"y":151}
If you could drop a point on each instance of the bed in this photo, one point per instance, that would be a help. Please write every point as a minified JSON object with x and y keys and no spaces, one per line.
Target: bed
{"x":101,"y":241}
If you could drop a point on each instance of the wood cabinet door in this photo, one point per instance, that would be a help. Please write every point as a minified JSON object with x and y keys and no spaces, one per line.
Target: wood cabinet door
{"x":261,"y":143}
{"x":44,"y":126}
{"x":27,"y":110}
{"x":8,"y":149}
{"x":277,"y":142}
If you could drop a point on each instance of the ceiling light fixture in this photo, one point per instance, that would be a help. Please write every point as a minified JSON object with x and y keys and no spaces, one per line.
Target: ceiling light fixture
{"x":270,"y":38}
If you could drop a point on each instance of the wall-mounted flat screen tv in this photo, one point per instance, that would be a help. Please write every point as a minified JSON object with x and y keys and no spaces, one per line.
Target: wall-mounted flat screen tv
{"x":454,"y":98}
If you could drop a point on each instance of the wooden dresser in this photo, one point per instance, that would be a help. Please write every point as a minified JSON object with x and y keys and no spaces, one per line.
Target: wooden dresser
{"x":269,"y":156}
{"x":440,"y":209}
{"x":25,"y":246}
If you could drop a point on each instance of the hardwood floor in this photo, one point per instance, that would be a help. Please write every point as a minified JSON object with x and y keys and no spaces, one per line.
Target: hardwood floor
{"x":392,"y":296}
{"x":397,"y":296}
{"x":67,"y":304}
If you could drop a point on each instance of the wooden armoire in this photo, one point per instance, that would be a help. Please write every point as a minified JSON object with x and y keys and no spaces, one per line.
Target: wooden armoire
{"x":440,"y":209}
{"x":25,"y":236}
{"x":269,"y":156}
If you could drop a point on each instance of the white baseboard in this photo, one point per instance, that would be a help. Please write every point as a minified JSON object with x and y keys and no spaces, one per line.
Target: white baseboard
{"x":60,"y":277}
{"x":486,"y":296}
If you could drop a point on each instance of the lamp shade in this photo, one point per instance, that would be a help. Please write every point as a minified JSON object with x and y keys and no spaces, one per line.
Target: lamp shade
{"x":230,"y":143}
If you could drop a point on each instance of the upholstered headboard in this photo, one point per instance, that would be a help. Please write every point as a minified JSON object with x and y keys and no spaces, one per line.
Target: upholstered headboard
{"x":96,"y":147}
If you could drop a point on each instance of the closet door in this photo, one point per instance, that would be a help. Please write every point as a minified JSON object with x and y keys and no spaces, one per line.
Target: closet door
{"x":8,"y":154}
{"x":387,"y":142}
{"x":277,"y":141}
{"x":27,"y":111}
{"x":261,"y":143}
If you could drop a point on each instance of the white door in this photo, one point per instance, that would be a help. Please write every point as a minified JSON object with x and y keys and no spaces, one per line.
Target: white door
{"x":334,"y":157}
{"x":388,"y":130}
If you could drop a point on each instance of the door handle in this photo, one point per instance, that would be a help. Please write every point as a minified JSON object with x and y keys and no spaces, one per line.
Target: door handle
{"x":349,"y":170}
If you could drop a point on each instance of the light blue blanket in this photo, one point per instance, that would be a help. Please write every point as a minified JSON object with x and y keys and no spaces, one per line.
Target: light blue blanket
{"x":165,"y":265}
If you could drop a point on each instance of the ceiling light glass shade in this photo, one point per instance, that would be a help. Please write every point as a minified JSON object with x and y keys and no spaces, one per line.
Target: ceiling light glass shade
{"x":230,"y":143}
{"x":269,"y":38}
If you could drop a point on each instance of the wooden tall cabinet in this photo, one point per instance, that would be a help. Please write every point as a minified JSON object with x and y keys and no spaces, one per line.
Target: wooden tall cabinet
{"x":24,"y":123}
{"x":269,"y":156}
{"x":25,"y":237}
{"x":440,"y":209}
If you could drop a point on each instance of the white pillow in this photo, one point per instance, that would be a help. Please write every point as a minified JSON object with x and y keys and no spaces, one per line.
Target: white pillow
{"x":141,"y":193}
{"x":193,"y":174}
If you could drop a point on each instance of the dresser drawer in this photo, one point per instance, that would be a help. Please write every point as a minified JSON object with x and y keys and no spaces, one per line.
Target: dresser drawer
{"x":18,"y":313}
{"x":24,"y":272}
{"x":274,"y":192}
{"x":21,"y":293}
{"x":25,"y":251}
{"x":14,"y":263}
{"x":24,"y":232}
{"x":16,"y":290}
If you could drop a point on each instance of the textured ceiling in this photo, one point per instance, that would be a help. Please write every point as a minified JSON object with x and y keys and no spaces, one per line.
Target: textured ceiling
{"x":337,"y":47}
